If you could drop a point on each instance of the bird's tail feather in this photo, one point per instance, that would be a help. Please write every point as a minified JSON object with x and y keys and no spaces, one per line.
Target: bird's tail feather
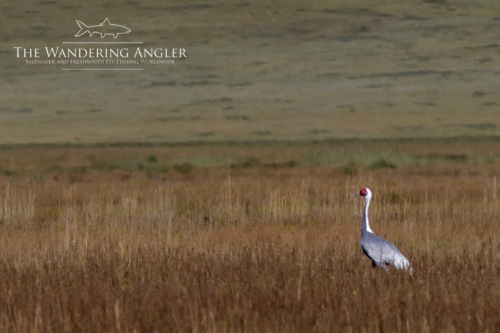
{"x":404,"y":264}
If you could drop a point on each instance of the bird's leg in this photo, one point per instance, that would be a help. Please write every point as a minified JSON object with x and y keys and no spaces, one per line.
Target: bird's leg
{"x":377,"y":264}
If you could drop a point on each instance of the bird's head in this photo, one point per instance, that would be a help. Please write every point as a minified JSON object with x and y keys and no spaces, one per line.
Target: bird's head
{"x":364,"y":193}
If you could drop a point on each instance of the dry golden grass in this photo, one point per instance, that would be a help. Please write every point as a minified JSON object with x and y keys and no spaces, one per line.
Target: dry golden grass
{"x":248,"y":250}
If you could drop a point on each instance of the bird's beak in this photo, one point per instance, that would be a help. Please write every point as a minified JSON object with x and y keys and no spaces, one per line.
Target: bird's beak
{"x":354,"y":195}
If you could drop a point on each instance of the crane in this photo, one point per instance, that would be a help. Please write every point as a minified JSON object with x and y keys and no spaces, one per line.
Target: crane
{"x":379,"y":250}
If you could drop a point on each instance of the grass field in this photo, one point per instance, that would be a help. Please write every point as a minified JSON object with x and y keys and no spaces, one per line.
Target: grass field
{"x":212,"y":195}
{"x":258,"y":70}
{"x":256,"y":245}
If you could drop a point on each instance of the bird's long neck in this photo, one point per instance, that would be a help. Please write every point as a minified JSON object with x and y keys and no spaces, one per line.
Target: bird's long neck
{"x":365,"y":226}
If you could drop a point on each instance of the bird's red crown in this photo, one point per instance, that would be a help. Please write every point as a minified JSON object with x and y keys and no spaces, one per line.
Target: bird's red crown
{"x":363,"y":192}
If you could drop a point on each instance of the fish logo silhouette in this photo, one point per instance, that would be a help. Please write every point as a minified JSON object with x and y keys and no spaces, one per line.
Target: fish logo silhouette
{"x":105,"y":28}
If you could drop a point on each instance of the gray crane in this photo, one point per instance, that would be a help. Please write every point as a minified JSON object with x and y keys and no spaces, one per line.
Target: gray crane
{"x":380,"y":251}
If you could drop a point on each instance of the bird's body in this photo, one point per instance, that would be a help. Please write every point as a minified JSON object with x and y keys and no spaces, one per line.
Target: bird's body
{"x":379,"y":250}
{"x":382,"y":252}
